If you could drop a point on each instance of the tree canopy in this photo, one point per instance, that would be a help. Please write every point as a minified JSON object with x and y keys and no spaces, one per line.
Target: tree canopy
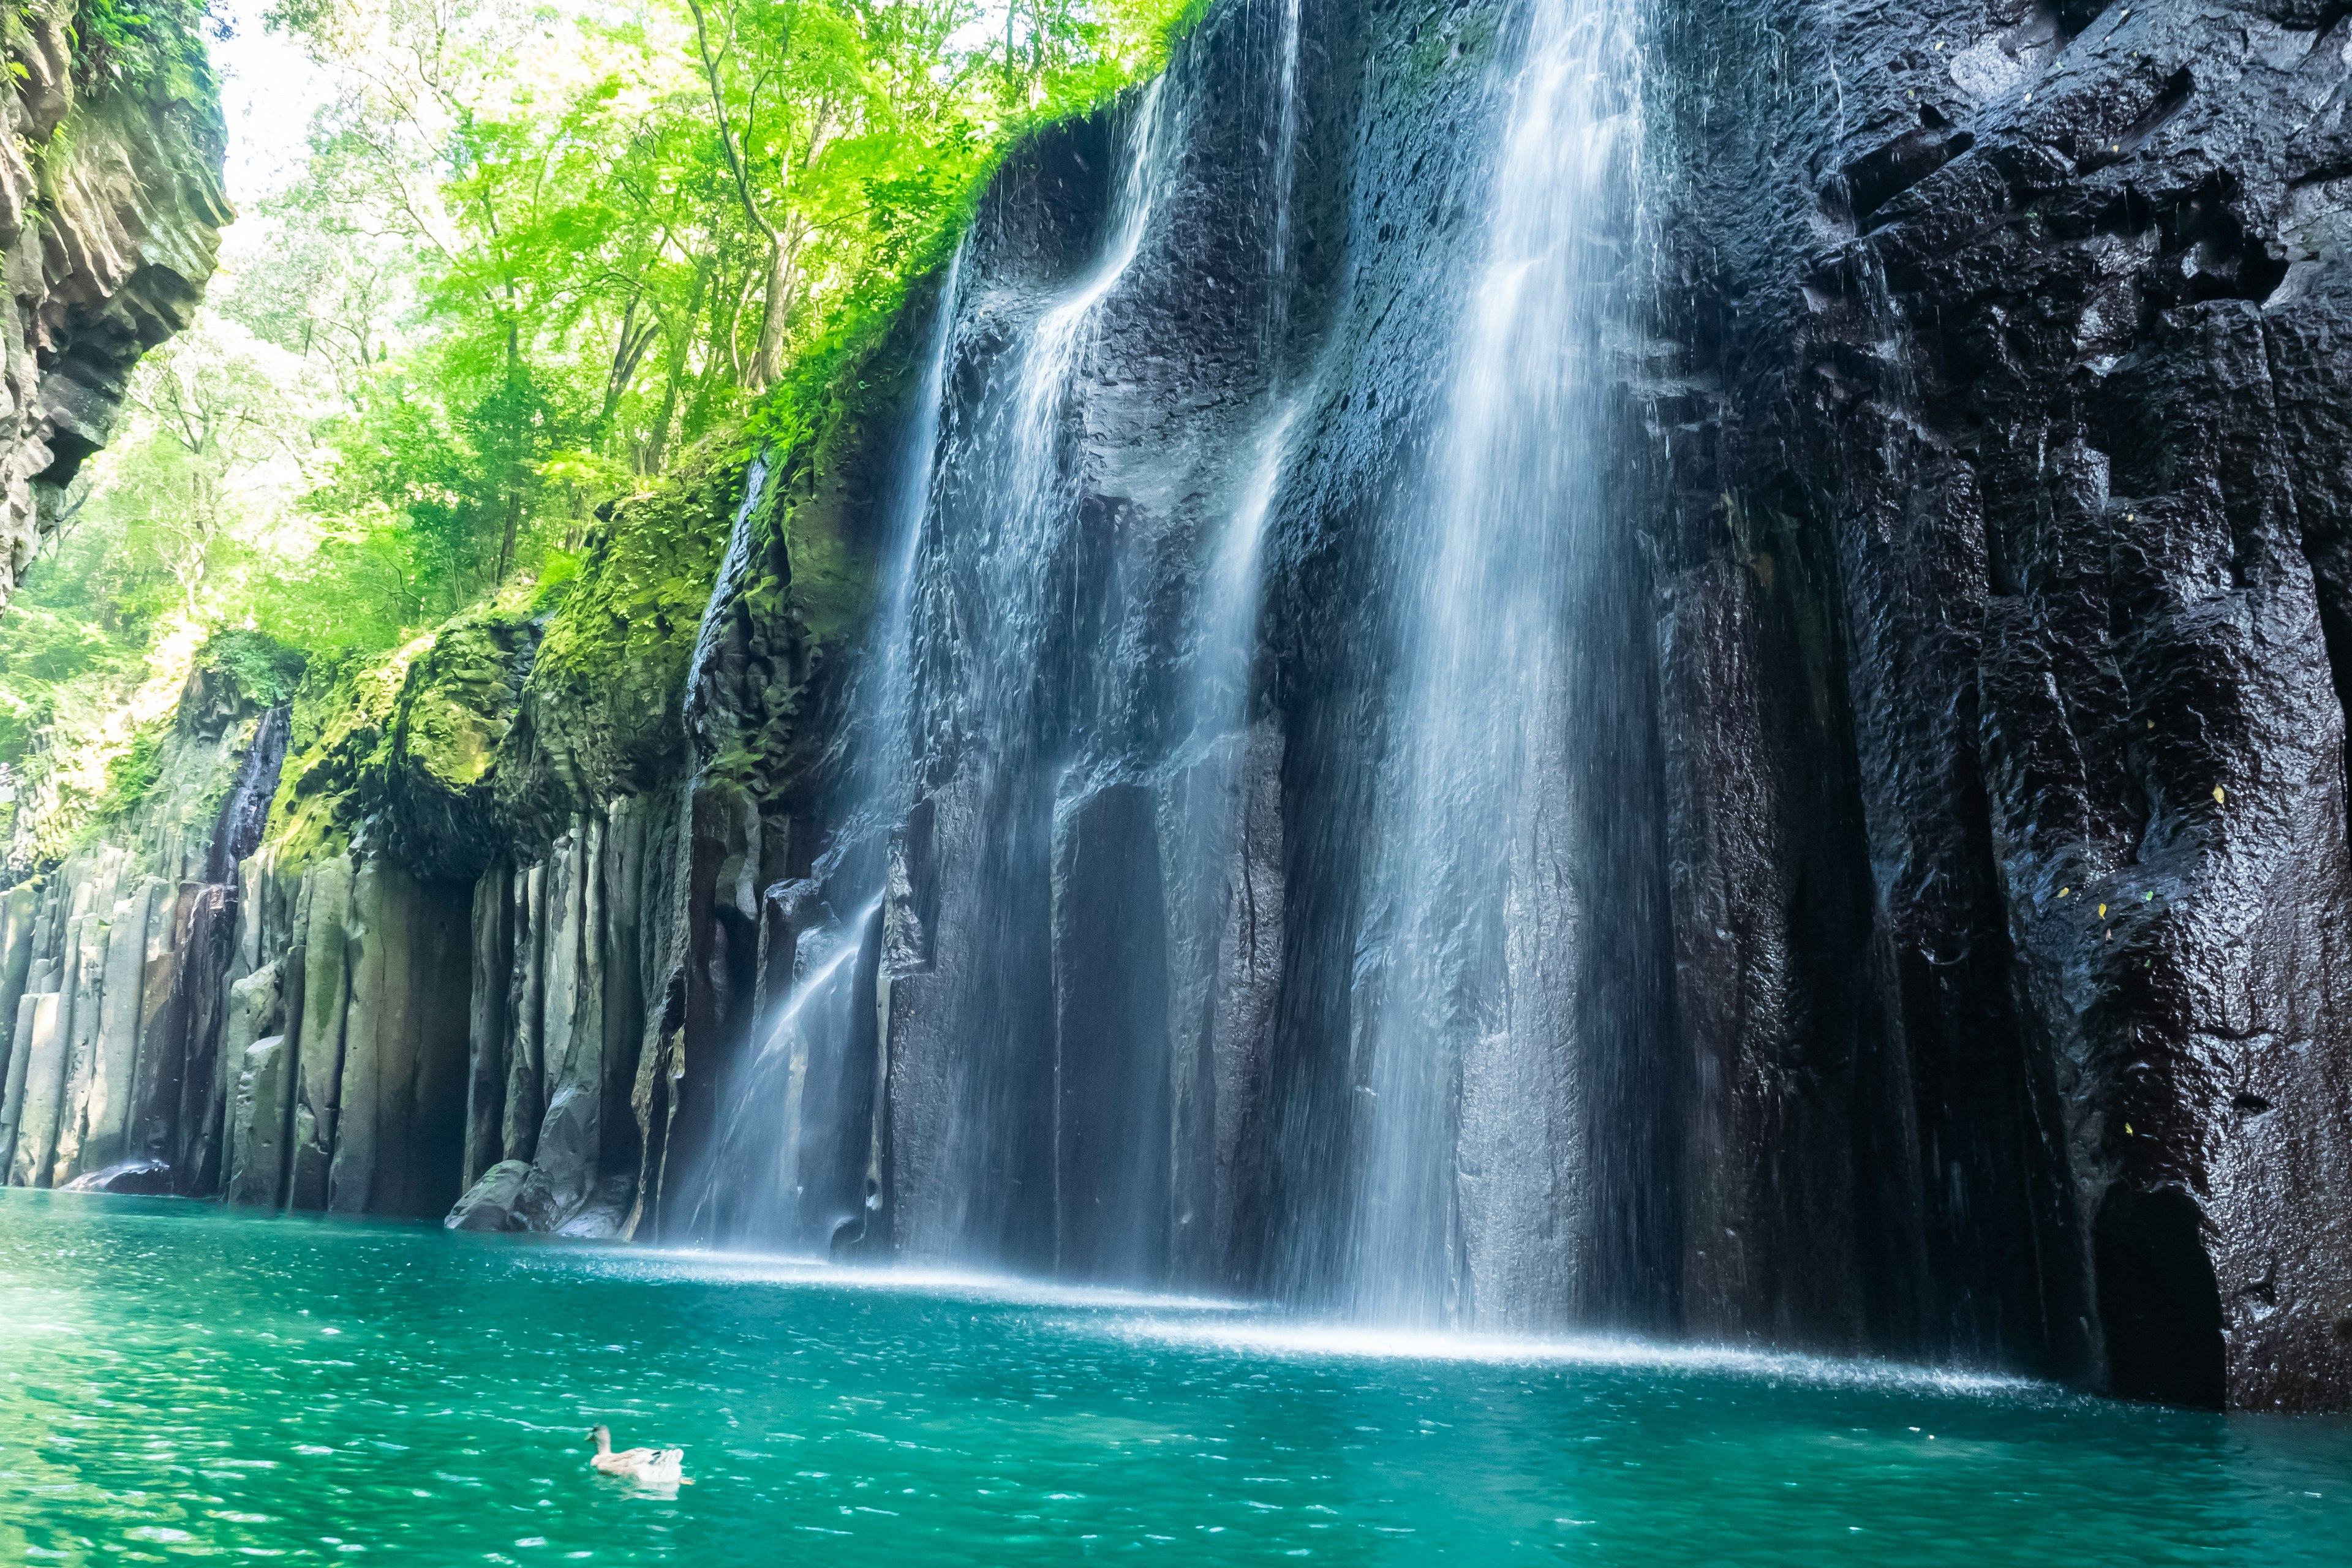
{"x":534,"y":252}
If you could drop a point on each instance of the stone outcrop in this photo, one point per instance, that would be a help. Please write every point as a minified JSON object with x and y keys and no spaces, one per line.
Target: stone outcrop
{"x":567,"y":950}
{"x":445,"y":973}
{"x":115,"y":960}
{"x":111,"y":211}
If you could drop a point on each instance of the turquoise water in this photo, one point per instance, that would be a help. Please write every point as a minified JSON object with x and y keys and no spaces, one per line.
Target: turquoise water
{"x":177,"y":1383}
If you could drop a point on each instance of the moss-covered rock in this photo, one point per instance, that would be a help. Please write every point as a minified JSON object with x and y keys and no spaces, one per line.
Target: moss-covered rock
{"x":496,"y":727}
{"x":163,"y":791}
{"x":599,"y":716}
{"x":236,"y":675}
{"x":111,"y":211}
{"x":342,"y":717}
{"x":802,"y":572}
{"x":454,"y":711}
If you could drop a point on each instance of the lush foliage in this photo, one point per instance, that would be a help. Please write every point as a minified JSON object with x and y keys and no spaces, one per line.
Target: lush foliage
{"x":621,"y":230}
{"x":533,"y":256}
{"x":156,"y":43}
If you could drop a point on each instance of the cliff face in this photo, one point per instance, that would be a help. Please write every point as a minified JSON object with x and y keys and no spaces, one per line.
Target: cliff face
{"x":1940,"y":955}
{"x":111,"y":211}
{"x":111,"y":962}
{"x":2003,"y":638}
{"x":1916,"y":937}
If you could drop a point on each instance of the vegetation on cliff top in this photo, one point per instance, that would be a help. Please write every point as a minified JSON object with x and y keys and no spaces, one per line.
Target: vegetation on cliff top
{"x":538,"y":257}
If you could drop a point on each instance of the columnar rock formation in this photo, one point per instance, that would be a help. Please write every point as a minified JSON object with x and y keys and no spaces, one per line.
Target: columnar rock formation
{"x":112,"y":964}
{"x":111,"y":211}
{"x":1918,"y":939}
{"x":2003,"y":660}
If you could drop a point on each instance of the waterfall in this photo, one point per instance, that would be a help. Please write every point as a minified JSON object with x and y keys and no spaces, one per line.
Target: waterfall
{"x":989,"y":581}
{"x":949,"y":696}
{"x":872,"y":759}
{"x":790,"y":1165}
{"x":1001,"y":677}
{"x":1287,"y":127}
{"x":793,"y":1139}
{"x":1226,"y":638}
{"x":1472,"y":1165}
{"x":1033,"y":981}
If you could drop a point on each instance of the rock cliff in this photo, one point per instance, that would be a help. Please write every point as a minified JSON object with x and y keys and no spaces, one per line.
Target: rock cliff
{"x":1928,"y":921}
{"x":2002,"y":616}
{"x":111,"y":211}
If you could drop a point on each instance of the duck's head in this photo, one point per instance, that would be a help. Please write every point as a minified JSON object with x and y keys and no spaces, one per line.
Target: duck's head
{"x":602,"y":1437}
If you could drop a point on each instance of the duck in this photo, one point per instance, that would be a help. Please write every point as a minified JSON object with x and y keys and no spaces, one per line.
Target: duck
{"x":647,"y":1467}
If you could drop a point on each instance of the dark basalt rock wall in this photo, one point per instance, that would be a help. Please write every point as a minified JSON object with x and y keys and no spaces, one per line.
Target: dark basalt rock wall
{"x":2002,"y":597}
{"x":1981,"y":447}
{"x":1969,"y":989}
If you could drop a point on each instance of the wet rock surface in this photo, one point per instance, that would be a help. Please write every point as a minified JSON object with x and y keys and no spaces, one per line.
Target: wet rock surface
{"x":2003,"y":572}
{"x":1988,"y":471}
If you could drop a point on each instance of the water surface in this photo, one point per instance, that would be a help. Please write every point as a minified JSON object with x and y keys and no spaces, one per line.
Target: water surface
{"x":175,"y":1382}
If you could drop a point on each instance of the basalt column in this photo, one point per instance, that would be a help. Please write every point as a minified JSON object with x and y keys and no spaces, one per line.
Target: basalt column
{"x":2004,"y":686}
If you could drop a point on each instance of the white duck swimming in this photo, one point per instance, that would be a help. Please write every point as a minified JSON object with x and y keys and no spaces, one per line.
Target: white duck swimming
{"x":647,"y":1467}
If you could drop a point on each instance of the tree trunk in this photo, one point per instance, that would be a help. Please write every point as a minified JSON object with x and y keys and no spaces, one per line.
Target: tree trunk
{"x":680,"y":346}
{"x":514,"y":521}
{"x":768,"y":363}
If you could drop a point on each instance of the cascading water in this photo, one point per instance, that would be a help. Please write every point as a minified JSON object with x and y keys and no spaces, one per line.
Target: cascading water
{"x":1471,"y":1163}
{"x":1226,"y":638}
{"x":954,"y":704}
{"x":1038,"y":1033}
{"x":792,"y":1165}
{"x":792,"y":1142}
{"x":997,"y":613}
{"x":872,"y":759}
{"x":1286,"y":168}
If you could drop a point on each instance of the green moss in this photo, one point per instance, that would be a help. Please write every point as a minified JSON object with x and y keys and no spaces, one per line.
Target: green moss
{"x":341,"y":719}
{"x":558,"y":570}
{"x":617,"y":647}
{"x":600,"y":712}
{"x":813,"y":544}
{"x":1449,"y":44}
{"x":458,"y":699}
{"x":265,"y":669}
{"x":156,"y":46}
{"x":130,"y":773}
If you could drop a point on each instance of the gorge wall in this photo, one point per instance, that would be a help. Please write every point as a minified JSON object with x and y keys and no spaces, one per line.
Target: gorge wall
{"x":1891,"y":810}
{"x":111,"y":211}
{"x":2001,"y":628}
